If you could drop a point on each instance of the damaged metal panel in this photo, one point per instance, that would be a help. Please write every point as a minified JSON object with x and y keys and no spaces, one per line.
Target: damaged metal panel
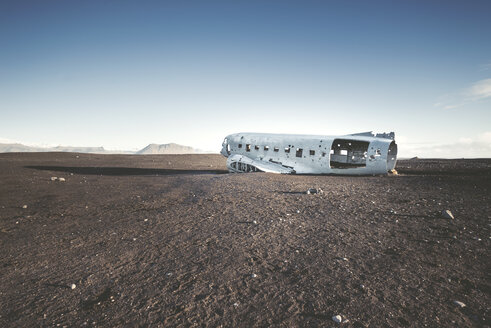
{"x":354,"y":154}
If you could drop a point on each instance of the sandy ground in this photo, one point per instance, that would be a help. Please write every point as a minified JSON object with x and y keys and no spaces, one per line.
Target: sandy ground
{"x":172,"y":240}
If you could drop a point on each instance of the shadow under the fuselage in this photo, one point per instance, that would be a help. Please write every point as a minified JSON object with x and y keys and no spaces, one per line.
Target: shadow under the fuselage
{"x":121,"y":171}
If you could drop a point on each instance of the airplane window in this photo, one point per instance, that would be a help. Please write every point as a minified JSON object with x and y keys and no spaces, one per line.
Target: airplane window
{"x":276,"y":149}
{"x":299,"y":152}
{"x":240,"y":145}
{"x":248,"y":147}
{"x":287,"y":150}
{"x":256,"y":147}
{"x":312,"y":152}
{"x":266,"y":148}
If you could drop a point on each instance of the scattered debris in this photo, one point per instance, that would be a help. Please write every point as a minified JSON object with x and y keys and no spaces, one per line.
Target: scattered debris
{"x":447,"y":215}
{"x":459,"y":304}
{"x":61,"y":179}
{"x":73,"y":286}
{"x":314,"y":191}
{"x":337,"y":318}
{"x":24,"y":206}
{"x":394,"y":172}
{"x":54,"y":178}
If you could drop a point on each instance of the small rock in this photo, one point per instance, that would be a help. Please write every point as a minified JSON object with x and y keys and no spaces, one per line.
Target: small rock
{"x":255,"y":222}
{"x":168,"y":274}
{"x":337,"y":318}
{"x":54,"y":178}
{"x":24,"y":206}
{"x":314,"y":191}
{"x":298,"y":211}
{"x":253,"y":275}
{"x":61,"y":179}
{"x":447,"y":215}
{"x":236,"y":304}
{"x":73,"y":286}
{"x":459,"y":304}
{"x":145,"y":220}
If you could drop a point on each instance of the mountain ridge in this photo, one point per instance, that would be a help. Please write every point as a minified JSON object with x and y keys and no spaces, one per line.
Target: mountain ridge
{"x":169,"y":148}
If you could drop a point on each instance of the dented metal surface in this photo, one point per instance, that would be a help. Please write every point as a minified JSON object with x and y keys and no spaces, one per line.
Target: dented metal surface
{"x":353,"y":154}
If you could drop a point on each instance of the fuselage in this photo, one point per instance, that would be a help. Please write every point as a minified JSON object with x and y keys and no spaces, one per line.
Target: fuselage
{"x":315,"y":154}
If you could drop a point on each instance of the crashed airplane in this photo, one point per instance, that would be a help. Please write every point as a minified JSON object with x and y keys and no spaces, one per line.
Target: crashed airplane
{"x":352,"y":154}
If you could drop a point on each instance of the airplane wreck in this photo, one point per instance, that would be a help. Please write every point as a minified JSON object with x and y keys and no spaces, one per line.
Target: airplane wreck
{"x":352,"y":154}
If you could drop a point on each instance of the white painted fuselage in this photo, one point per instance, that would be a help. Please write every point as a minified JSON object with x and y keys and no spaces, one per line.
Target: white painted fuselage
{"x":356,"y":154}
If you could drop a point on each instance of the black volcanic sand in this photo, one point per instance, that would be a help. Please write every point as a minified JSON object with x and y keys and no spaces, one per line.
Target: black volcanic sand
{"x":173,"y":240}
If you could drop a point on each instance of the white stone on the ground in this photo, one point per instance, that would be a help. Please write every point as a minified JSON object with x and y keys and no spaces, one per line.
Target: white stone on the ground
{"x":24,"y":206}
{"x":459,"y":304}
{"x":54,"y":178}
{"x":74,"y":286}
{"x":253,"y":275}
{"x":298,"y":211}
{"x":145,"y":220}
{"x":447,"y":214}
{"x":255,"y":222}
{"x":314,"y":191}
{"x":61,"y":179}
{"x":337,"y":318}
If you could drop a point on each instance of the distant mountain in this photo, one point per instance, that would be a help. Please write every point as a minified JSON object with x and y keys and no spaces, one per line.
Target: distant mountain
{"x":16,"y":147}
{"x":170,"y":148}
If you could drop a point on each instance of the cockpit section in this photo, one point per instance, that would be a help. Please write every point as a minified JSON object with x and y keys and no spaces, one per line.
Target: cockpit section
{"x":226,"y":151}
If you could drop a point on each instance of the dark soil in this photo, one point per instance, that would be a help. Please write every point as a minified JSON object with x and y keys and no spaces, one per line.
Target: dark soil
{"x":173,"y":240}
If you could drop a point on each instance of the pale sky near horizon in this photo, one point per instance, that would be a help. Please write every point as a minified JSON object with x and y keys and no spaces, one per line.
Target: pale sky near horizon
{"x":123,"y":74}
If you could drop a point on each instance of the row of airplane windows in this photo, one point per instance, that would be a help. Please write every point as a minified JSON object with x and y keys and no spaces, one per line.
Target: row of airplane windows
{"x":299,"y":151}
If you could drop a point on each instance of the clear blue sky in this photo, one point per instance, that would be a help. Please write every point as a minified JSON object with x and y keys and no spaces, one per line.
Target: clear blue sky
{"x":123,"y":74}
